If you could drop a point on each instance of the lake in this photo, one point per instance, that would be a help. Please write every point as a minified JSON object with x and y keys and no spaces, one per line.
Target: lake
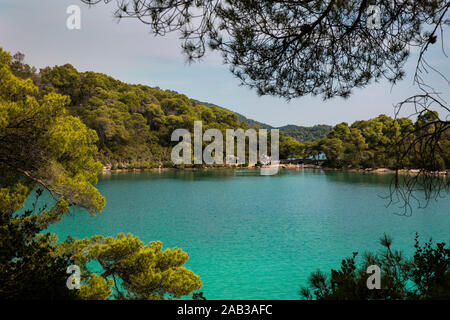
{"x":257,"y":237}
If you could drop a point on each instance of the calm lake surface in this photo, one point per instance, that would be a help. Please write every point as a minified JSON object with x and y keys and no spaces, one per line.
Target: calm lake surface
{"x":257,"y":237}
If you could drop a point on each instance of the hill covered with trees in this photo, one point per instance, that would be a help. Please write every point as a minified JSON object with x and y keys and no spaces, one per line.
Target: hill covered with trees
{"x":304,"y":134}
{"x":386,"y":142}
{"x":133,"y":123}
{"x":300,"y":133}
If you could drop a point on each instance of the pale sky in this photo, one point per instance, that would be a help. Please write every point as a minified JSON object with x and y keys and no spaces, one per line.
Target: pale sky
{"x":127,"y":51}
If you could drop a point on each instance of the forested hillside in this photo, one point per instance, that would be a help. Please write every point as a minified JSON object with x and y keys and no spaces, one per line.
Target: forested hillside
{"x":134,"y":123}
{"x":386,"y":142}
{"x":300,"y":133}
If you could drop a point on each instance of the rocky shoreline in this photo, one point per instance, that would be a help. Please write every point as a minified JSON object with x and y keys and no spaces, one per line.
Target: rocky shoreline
{"x":108,"y":170}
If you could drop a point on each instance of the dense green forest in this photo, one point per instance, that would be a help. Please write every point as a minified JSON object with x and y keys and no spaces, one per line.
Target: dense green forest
{"x":424,"y":276}
{"x":134,"y":125}
{"x":133,"y":122}
{"x":386,"y":142}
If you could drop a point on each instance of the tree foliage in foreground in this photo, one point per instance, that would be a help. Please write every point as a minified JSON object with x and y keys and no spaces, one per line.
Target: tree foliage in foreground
{"x":295,"y":48}
{"x":130,"y":270}
{"x":47,"y":156}
{"x":42,"y":147}
{"x":425,"y":276}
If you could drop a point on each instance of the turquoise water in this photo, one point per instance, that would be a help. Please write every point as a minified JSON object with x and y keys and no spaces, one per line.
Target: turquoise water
{"x":257,"y":237}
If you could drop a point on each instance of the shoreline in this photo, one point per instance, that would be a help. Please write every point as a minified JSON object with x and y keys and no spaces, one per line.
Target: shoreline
{"x":107,"y":170}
